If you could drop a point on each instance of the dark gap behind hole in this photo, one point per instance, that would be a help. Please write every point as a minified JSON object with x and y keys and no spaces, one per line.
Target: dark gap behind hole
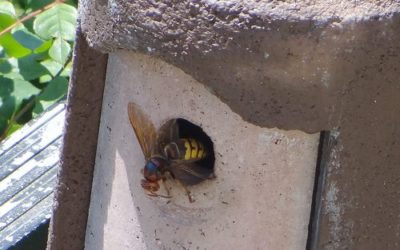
{"x":319,"y":184}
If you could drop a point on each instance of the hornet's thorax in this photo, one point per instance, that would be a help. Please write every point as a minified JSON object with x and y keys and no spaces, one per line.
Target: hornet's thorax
{"x":167,"y":153}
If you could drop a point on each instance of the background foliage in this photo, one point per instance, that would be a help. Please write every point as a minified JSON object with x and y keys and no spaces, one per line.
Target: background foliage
{"x":36,"y":39}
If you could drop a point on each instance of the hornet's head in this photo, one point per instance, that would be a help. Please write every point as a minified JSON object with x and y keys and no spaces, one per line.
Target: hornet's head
{"x":151,"y":170}
{"x":152,"y":174}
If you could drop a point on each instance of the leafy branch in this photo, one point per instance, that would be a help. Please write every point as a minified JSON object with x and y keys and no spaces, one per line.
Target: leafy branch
{"x":30,"y":16}
{"x":35,"y":59}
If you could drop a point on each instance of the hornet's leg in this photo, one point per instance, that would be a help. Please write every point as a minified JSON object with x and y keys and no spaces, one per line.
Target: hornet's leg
{"x":152,"y":188}
{"x":164,"y":182}
{"x":186,"y":190}
{"x":183,"y":185}
{"x":151,"y":193}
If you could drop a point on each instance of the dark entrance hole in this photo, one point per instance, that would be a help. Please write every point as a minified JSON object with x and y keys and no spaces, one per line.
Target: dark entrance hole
{"x":204,"y":167}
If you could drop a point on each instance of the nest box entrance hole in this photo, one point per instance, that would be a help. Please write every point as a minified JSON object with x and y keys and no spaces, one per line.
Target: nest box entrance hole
{"x":189,"y":130}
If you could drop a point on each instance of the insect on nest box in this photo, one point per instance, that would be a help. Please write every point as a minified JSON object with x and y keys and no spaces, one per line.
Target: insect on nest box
{"x":178,"y":149}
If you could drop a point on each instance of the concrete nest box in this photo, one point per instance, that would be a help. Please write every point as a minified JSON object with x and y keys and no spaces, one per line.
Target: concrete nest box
{"x":255,"y":82}
{"x":254,"y":175}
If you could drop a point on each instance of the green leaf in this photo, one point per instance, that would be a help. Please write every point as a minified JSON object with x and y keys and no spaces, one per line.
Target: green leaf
{"x":44,"y":47}
{"x":23,"y":90}
{"x":26,"y":38}
{"x":45,"y":79}
{"x":30,"y":68}
{"x":14,"y":72}
{"x":67,"y":70}
{"x":19,"y":9}
{"x":5,"y":66}
{"x":52,"y":66}
{"x":60,"y":50}
{"x":14,"y":75}
{"x":7,"y":41}
{"x":35,"y":4}
{"x":12,"y":47}
{"x":12,"y":93}
{"x":3,"y":124}
{"x":6,"y":86}
{"x":54,"y":91}
{"x":57,"y":22}
{"x":12,"y":128}
{"x":7,"y":101}
{"x":7,"y":8}
{"x":6,"y":20}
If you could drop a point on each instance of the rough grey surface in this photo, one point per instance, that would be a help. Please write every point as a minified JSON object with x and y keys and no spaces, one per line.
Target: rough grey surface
{"x":74,"y":180}
{"x":275,"y":63}
{"x":206,"y":25}
{"x":361,"y":197}
{"x":309,"y":65}
{"x":260,"y":198}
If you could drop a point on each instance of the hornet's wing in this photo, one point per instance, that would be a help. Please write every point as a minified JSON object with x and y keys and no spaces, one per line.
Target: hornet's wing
{"x":143,"y":127}
{"x":190,"y":173}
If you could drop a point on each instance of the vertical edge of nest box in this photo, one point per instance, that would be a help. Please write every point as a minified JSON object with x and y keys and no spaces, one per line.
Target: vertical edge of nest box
{"x":72,"y":193}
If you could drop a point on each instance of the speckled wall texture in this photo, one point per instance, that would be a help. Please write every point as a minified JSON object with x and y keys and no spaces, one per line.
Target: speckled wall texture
{"x":260,"y":198}
{"x":308,"y":65}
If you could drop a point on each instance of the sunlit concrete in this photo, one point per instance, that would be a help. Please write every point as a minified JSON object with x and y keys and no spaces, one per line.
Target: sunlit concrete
{"x":260,"y":199}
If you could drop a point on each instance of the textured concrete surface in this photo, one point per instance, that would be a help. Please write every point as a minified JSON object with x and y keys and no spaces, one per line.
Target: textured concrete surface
{"x":260,"y":199}
{"x":361,"y":200}
{"x":72,"y":194}
{"x":308,"y":65}
{"x":206,"y":25}
{"x":287,"y":63}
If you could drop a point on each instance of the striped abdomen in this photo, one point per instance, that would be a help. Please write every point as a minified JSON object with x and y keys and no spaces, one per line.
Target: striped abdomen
{"x":185,"y":149}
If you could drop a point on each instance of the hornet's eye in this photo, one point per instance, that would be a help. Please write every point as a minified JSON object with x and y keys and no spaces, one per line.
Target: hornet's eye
{"x":151,"y":172}
{"x":150,"y":166}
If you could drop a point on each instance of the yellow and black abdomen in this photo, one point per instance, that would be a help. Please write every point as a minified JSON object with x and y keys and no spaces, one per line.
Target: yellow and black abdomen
{"x":187,"y":149}
{"x":194,"y":150}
